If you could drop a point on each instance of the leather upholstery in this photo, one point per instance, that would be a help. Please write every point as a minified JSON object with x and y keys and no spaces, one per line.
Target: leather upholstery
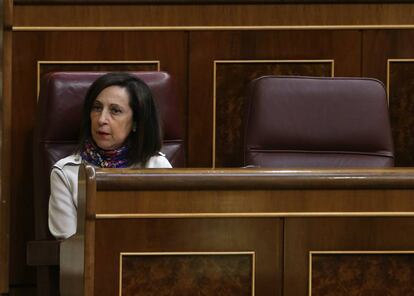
{"x":300,"y":122}
{"x":58,"y":121}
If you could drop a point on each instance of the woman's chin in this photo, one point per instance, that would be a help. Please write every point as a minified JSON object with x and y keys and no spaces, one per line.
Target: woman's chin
{"x":105,"y":146}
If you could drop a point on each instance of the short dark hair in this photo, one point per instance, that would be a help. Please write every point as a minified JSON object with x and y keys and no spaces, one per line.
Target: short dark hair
{"x":146,"y":141}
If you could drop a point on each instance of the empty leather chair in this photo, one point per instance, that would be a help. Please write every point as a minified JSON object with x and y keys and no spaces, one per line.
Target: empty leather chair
{"x":56,"y":134}
{"x":309,"y":122}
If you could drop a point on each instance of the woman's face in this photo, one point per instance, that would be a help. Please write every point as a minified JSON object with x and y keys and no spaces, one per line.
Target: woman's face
{"x":111,"y":118}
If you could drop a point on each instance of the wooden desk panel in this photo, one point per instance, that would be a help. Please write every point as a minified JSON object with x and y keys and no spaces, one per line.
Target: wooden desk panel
{"x":364,"y":236}
{"x":269,"y":223}
{"x":190,"y":236}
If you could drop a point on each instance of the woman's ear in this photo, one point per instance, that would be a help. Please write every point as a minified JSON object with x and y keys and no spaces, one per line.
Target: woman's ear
{"x":134,"y":127}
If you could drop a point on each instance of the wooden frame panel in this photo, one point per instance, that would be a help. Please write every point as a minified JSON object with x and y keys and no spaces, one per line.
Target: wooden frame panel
{"x":209,"y":204}
{"x":336,"y":234}
{"x":5,"y":145}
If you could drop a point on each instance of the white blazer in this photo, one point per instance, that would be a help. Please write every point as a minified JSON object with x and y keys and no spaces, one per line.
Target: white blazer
{"x":63,"y":201}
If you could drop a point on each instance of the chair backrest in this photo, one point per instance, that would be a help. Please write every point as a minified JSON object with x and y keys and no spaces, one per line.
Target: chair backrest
{"x":300,"y":122}
{"x":58,"y":122}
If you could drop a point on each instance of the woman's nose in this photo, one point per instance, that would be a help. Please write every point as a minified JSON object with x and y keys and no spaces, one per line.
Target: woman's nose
{"x":103,"y":117}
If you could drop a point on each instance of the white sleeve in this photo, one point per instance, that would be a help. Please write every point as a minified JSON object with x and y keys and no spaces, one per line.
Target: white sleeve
{"x":62,"y":210}
{"x":158,"y":162}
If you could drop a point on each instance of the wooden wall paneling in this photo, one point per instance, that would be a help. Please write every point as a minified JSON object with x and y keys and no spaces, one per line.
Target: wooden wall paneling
{"x":4,"y":202}
{"x":206,"y":48}
{"x":5,"y":126}
{"x":3,"y":211}
{"x":22,"y":118}
{"x":214,"y":15}
{"x":207,"y":235}
{"x":303,"y":235}
{"x":170,"y":48}
{"x":380,"y":46}
{"x":400,"y":82}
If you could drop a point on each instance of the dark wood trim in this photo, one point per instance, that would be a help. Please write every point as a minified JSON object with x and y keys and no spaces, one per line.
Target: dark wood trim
{"x":259,"y":16}
{"x":51,"y":2}
{"x":5,"y":149}
{"x":245,"y":179}
{"x":3,"y":212}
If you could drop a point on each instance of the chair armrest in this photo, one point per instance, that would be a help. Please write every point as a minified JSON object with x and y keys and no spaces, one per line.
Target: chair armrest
{"x":43,"y":252}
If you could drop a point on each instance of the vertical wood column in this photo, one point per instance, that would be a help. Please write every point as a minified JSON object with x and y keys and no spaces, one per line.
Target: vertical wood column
{"x":5,"y":92}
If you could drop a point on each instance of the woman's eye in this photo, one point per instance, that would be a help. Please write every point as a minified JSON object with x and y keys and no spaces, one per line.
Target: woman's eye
{"x":96,"y":108}
{"x":116,"y":111}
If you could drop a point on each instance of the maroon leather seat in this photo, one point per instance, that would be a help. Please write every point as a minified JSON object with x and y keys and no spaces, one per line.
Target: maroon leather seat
{"x":300,"y":122}
{"x":56,"y":134}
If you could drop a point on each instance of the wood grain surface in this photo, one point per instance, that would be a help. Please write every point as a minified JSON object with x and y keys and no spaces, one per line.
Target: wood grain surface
{"x":188,"y":54}
{"x":362,"y":274}
{"x":379,"y":48}
{"x":182,"y":274}
{"x":147,"y":15}
{"x":338,"y":234}
{"x":281,"y":244}
{"x":5,"y":73}
{"x":207,"y":235}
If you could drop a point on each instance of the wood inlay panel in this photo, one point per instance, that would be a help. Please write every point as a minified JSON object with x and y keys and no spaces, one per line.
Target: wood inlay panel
{"x":380,"y":46}
{"x":262,"y":236}
{"x":182,"y":274}
{"x":231,"y":81}
{"x":362,"y":274}
{"x":303,"y":235}
{"x":401,"y":104}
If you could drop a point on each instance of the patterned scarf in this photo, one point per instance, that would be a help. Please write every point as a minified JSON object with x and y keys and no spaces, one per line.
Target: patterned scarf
{"x":98,"y":157}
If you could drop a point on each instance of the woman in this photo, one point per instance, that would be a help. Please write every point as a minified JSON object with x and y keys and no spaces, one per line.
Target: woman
{"x":120,"y":129}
